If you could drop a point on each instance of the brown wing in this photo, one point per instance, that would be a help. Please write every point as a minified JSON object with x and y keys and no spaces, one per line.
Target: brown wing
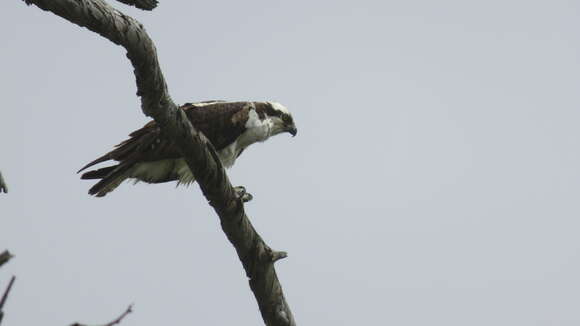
{"x":221,"y":122}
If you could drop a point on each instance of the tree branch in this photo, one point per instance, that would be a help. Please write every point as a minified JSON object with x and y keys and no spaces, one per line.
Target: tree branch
{"x":116,"y":320}
{"x":5,"y":297}
{"x":5,"y":257}
{"x":3,"y":186}
{"x":256,"y":257}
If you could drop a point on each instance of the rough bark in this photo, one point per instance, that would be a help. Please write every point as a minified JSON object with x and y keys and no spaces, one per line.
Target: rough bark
{"x":256,"y":257}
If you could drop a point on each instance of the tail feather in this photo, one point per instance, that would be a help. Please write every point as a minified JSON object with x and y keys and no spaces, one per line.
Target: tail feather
{"x":103,"y":158}
{"x":98,"y":174}
{"x":144,"y":145}
{"x":123,"y":150}
{"x":115,"y":176}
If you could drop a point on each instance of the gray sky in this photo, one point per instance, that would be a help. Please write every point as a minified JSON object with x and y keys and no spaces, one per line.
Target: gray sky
{"x":434,"y":179}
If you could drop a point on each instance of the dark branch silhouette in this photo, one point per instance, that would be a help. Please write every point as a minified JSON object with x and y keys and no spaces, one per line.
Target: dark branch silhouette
{"x":116,"y":320}
{"x":3,"y":186}
{"x":5,"y":297}
{"x":256,"y":257}
{"x":5,"y":257}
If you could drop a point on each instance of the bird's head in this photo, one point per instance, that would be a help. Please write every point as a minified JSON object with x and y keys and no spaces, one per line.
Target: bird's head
{"x":281,"y":119}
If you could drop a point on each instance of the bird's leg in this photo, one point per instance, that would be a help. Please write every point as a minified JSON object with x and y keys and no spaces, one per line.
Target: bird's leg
{"x":242,"y":194}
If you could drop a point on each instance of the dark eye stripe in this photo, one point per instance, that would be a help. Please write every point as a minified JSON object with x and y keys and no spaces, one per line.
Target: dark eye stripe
{"x":271,"y":111}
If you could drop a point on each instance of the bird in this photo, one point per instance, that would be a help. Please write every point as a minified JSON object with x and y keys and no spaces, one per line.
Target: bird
{"x":151,"y":157}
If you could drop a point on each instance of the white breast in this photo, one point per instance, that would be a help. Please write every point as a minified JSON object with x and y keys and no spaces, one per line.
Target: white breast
{"x":257,"y":130}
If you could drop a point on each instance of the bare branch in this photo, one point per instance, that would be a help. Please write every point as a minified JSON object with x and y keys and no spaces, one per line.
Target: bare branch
{"x":141,"y":4}
{"x":3,"y":186}
{"x":99,"y":17}
{"x":116,"y":320}
{"x":255,"y":255}
{"x":6,"y":292}
{"x":5,"y":257}
{"x":5,"y":297}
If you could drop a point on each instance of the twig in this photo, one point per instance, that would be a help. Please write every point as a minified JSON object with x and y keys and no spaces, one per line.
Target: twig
{"x":3,"y":186}
{"x":115,"y":321}
{"x":5,"y":296}
{"x":5,"y":257}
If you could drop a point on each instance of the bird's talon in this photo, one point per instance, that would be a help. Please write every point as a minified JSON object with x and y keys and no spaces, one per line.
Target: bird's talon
{"x":247,"y":197}
{"x":242,"y":194}
{"x":240,"y":190}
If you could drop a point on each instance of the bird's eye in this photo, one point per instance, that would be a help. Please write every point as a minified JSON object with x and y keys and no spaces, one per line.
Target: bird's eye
{"x":285,"y":118}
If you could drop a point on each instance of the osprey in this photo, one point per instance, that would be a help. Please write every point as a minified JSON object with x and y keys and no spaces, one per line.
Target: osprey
{"x":150,"y":157}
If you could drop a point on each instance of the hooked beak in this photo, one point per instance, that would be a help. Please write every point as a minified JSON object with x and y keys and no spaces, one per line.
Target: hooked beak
{"x":292,"y":130}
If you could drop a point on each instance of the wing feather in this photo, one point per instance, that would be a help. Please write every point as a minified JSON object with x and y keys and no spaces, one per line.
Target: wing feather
{"x":221,"y":122}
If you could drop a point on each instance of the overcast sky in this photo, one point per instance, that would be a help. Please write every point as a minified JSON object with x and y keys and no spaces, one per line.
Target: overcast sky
{"x":435,"y":178}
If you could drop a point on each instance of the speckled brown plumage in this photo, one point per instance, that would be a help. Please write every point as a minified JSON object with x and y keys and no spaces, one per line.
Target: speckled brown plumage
{"x":221,"y":122}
